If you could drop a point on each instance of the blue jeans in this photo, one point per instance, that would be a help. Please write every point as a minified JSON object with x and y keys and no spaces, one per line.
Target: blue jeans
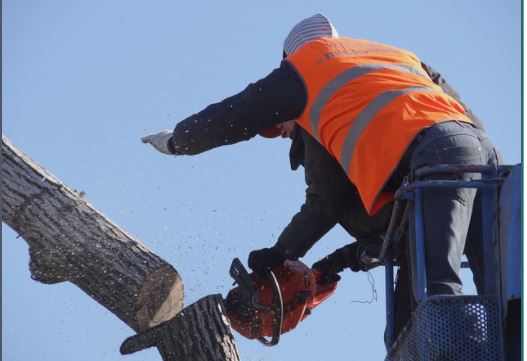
{"x":452,"y":217}
{"x":447,"y":212}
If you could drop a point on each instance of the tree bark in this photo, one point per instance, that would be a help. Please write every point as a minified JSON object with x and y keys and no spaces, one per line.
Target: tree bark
{"x":200,"y":332}
{"x":71,"y":241}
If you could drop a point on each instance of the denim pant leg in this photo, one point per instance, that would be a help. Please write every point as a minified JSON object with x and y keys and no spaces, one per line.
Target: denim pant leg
{"x":473,"y":244}
{"x":446,"y":211}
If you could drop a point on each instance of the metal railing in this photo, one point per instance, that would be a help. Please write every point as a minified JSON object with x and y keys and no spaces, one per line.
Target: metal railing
{"x":487,"y":181}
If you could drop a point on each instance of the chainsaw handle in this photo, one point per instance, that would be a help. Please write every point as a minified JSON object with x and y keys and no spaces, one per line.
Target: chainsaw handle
{"x":278,"y":312}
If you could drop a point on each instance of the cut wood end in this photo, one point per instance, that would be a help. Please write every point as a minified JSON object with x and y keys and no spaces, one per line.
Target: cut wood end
{"x":172,"y":305}
{"x":160,"y":298}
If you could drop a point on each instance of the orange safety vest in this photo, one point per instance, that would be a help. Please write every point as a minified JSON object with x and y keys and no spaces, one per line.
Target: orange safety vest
{"x":366,"y":102}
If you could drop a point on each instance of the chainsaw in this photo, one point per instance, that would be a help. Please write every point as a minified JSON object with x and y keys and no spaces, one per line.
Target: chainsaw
{"x":263,"y":308}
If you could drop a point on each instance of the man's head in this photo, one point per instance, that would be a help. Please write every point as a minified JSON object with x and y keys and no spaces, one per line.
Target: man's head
{"x":315,"y":27}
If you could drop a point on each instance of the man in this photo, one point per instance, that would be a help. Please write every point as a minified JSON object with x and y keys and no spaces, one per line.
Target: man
{"x":376,"y":111}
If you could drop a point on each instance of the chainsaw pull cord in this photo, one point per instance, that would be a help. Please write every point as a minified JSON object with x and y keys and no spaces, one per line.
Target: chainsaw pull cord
{"x":278,"y":312}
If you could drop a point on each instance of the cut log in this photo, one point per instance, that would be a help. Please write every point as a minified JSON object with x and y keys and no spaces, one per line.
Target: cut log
{"x":71,"y":241}
{"x":200,"y":332}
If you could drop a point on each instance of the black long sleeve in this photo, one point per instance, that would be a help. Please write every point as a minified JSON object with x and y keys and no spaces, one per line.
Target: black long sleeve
{"x":331,"y":199}
{"x":276,"y":98}
{"x":327,"y":196}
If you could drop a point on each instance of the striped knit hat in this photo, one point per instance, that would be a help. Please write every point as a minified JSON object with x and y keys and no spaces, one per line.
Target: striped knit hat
{"x":316,"y":27}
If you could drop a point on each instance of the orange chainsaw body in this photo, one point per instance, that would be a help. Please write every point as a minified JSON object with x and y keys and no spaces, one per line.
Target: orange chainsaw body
{"x":300,"y":293}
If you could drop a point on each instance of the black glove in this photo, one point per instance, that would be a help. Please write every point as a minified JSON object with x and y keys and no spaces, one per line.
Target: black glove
{"x":264,"y":260}
{"x":328,"y":269}
{"x":331,"y":265}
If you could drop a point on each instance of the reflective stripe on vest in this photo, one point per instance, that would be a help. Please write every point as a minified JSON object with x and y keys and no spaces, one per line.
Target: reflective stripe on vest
{"x":342,"y":79}
{"x":365,"y":117}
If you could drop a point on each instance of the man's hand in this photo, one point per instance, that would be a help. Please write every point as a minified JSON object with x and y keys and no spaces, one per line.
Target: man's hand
{"x":264,"y":260}
{"x":346,"y":257}
{"x":329,"y":268}
{"x":159,"y":141}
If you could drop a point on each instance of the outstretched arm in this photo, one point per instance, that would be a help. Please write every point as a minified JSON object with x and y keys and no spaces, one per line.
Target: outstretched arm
{"x":276,"y":98}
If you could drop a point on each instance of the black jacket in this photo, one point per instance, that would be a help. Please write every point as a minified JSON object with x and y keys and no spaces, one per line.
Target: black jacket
{"x":330,"y":197}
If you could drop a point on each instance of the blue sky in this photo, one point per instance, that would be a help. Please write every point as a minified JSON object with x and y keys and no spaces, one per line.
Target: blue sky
{"x":83,"y":81}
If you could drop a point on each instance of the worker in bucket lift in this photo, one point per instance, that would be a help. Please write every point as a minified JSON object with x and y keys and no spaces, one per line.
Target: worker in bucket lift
{"x":365,"y":115}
